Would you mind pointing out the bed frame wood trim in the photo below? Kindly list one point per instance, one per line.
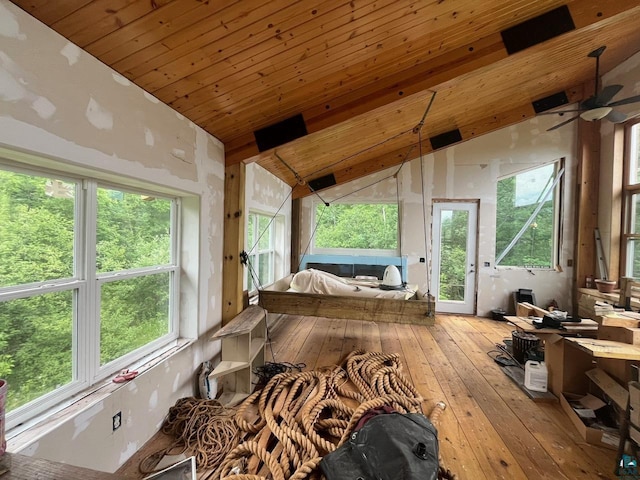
(275, 299)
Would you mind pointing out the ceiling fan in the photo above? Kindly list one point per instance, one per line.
(600, 104)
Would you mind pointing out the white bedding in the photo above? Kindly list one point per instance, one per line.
(317, 281)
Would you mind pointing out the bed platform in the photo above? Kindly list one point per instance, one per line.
(277, 298)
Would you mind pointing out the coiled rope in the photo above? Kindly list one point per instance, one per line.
(300, 417)
(203, 428)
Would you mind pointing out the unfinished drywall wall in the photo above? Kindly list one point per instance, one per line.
(266, 194)
(612, 147)
(469, 171)
(68, 110)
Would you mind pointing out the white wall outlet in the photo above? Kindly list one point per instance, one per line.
(117, 421)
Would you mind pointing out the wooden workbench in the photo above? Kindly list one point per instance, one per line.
(554, 351)
(586, 328)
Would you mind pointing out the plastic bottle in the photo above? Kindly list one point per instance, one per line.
(535, 376)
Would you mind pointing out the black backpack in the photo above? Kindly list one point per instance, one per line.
(390, 446)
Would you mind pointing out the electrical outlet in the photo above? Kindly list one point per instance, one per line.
(117, 421)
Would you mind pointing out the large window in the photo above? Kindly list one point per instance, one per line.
(631, 225)
(88, 283)
(261, 247)
(527, 218)
(356, 228)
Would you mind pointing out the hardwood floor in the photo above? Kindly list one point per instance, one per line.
(490, 429)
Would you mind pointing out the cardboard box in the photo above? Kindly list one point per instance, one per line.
(566, 366)
(594, 436)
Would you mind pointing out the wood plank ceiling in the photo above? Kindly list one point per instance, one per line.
(360, 72)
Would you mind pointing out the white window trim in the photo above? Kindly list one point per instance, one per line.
(86, 369)
(254, 251)
(560, 171)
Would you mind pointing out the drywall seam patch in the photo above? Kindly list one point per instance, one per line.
(9, 26)
(120, 79)
(150, 97)
(71, 52)
(98, 116)
(132, 447)
(11, 83)
(148, 137)
(44, 108)
(83, 419)
(12, 88)
(153, 400)
(176, 383)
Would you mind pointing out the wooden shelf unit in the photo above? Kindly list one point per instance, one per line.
(243, 350)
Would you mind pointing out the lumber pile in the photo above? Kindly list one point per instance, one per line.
(592, 307)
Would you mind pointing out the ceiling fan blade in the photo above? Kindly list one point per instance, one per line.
(625, 101)
(560, 112)
(563, 123)
(607, 94)
(616, 117)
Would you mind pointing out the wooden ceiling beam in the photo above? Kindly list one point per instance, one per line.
(443, 69)
(488, 124)
(429, 75)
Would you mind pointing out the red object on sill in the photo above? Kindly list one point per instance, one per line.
(125, 376)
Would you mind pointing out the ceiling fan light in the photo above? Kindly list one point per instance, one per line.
(595, 113)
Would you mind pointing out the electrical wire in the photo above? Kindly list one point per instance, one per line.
(299, 179)
(270, 369)
(424, 216)
(273, 217)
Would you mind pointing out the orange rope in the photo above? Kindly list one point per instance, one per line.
(303, 416)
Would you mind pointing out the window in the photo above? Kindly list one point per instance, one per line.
(356, 228)
(528, 218)
(88, 283)
(631, 224)
(261, 247)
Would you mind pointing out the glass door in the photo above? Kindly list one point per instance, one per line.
(454, 256)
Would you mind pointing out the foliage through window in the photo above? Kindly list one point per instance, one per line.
(349, 227)
(88, 280)
(631, 225)
(527, 218)
(262, 255)
(453, 254)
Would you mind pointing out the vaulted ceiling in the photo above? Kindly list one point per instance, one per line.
(360, 74)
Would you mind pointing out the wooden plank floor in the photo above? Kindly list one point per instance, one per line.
(490, 428)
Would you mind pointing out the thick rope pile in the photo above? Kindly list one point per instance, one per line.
(300, 417)
(203, 428)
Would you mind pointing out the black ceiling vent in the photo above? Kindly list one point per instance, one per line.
(538, 29)
(552, 101)
(445, 139)
(280, 133)
(322, 182)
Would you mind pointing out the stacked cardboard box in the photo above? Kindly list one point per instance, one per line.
(594, 397)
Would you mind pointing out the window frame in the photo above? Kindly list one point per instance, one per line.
(254, 251)
(84, 283)
(365, 252)
(560, 168)
(629, 189)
